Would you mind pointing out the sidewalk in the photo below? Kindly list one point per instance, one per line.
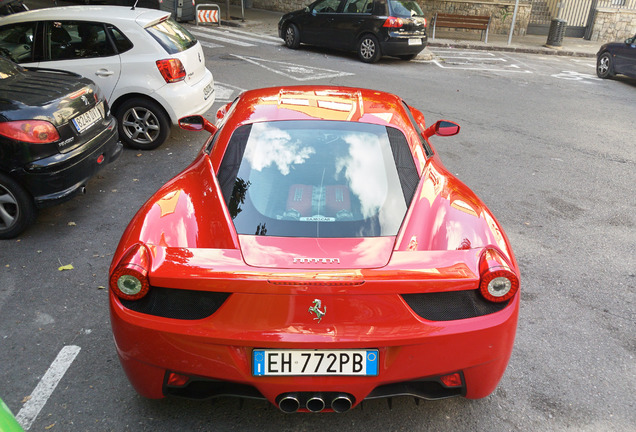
(266, 22)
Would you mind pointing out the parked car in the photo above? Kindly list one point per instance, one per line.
(56, 132)
(151, 69)
(8, 7)
(316, 253)
(372, 28)
(617, 58)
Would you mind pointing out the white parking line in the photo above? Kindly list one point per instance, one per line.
(210, 44)
(294, 71)
(46, 386)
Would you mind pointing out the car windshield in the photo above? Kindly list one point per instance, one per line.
(172, 36)
(317, 179)
(405, 8)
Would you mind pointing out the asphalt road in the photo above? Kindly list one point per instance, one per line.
(545, 144)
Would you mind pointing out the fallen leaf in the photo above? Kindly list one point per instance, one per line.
(66, 267)
(26, 399)
(49, 426)
(101, 287)
(72, 224)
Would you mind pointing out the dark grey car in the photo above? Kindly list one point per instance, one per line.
(617, 58)
(372, 28)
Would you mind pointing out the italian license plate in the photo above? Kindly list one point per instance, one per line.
(208, 90)
(314, 362)
(89, 118)
(415, 41)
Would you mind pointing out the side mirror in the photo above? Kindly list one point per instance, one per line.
(442, 128)
(196, 123)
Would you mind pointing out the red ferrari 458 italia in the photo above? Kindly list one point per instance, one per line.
(315, 254)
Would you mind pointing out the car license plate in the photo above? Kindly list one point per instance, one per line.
(314, 362)
(89, 118)
(208, 90)
(413, 41)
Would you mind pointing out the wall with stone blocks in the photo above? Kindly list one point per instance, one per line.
(613, 25)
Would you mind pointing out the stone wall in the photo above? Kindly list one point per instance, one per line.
(613, 25)
(500, 11)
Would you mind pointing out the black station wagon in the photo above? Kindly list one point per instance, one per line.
(372, 28)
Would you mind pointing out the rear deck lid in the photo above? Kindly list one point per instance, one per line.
(328, 254)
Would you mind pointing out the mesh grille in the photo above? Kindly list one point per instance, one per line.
(178, 303)
(453, 305)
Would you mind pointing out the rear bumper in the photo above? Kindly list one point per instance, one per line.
(58, 178)
(396, 46)
(414, 353)
(181, 99)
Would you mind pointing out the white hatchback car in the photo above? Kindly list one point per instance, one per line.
(150, 68)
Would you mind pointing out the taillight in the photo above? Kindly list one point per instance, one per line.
(424, 21)
(393, 22)
(31, 131)
(498, 282)
(172, 70)
(129, 280)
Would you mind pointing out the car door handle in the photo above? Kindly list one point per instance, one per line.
(104, 72)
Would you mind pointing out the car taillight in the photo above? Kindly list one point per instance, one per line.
(393, 22)
(498, 282)
(172, 70)
(31, 131)
(129, 280)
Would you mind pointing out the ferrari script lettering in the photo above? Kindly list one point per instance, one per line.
(316, 260)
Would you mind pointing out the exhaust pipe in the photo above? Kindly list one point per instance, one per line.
(341, 403)
(315, 404)
(289, 404)
(83, 190)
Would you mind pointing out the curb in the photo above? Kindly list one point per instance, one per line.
(524, 50)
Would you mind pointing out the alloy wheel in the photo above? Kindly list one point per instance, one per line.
(8, 208)
(141, 125)
(367, 48)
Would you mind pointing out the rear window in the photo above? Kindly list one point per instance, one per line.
(405, 8)
(317, 179)
(173, 37)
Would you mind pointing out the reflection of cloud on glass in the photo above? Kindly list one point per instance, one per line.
(268, 144)
(364, 168)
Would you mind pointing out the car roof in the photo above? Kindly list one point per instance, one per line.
(111, 14)
(323, 103)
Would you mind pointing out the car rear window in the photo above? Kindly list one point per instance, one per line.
(405, 8)
(317, 179)
(173, 37)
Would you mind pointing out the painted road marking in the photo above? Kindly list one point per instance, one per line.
(238, 34)
(46, 386)
(294, 71)
(577, 76)
(483, 61)
(210, 44)
(225, 92)
(221, 39)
